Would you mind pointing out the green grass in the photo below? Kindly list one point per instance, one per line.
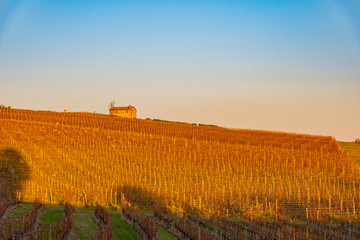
(353, 149)
(52, 215)
(24, 207)
(84, 226)
(148, 211)
(120, 229)
(164, 234)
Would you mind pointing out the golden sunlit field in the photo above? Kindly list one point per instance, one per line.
(229, 184)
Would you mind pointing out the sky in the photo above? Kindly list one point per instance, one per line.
(290, 66)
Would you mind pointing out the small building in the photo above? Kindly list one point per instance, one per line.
(128, 112)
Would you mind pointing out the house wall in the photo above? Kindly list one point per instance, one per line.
(124, 113)
(133, 113)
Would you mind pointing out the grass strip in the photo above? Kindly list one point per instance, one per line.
(84, 226)
(52, 215)
(165, 234)
(121, 230)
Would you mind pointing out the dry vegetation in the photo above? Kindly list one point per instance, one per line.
(88, 159)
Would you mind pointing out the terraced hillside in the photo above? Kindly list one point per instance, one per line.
(245, 183)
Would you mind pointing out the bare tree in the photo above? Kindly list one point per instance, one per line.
(112, 104)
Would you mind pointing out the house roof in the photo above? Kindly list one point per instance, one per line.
(122, 108)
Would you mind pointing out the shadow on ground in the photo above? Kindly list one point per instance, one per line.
(14, 171)
(138, 196)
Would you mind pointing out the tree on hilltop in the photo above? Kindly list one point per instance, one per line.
(112, 104)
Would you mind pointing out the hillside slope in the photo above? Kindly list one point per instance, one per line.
(87, 159)
(353, 149)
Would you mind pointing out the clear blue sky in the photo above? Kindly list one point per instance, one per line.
(277, 65)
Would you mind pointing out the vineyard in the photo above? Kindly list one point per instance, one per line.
(198, 182)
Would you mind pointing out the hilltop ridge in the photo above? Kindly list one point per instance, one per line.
(173, 129)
